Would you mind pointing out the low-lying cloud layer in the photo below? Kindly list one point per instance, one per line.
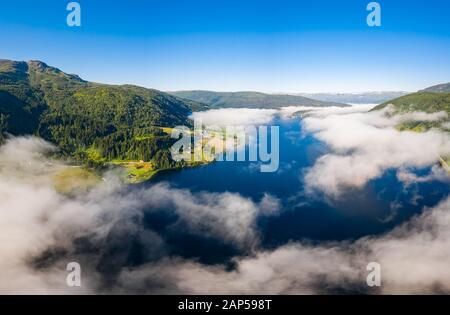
(414, 259)
(363, 144)
(235, 116)
(36, 221)
(42, 230)
(366, 144)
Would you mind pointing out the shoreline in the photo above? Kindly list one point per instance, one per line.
(444, 164)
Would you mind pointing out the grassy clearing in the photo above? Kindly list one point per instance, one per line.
(75, 179)
(145, 137)
(166, 130)
(445, 162)
(410, 126)
(135, 171)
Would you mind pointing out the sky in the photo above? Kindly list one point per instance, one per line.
(281, 46)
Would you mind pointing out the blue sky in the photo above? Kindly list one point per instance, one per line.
(230, 45)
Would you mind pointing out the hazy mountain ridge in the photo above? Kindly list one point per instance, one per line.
(356, 98)
(440, 88)
(250, 99)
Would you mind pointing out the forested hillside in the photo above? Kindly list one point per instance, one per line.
(89, 122)
(440, 88)
(250, 99)
(422, 101)
(428, 102)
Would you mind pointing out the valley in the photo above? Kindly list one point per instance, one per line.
(127, 129)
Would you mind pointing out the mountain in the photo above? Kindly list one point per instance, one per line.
(250, 99)
(91, 123)
(428, 102)
(423, 101)
(441, 88)
(355, 98)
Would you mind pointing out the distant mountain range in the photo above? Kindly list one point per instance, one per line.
(250, 99)
(355, 98)
(441, 88)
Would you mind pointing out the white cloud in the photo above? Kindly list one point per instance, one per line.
(35, 219)
(235, 116)
(421, 116)
(326, 111)
(409, 178)
(414, 259)
(363, 146)
(226, 216)
(255, 116)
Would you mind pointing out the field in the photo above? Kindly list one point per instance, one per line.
(74, 179)
(135, 171)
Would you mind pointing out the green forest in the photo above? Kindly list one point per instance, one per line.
(428, 102)
(92, 124)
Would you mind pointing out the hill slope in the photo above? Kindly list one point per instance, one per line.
(430, 100)
(91, 123)
(441, 88)
(249, 99)
(427, 102)
(422, 101)
(355, 98)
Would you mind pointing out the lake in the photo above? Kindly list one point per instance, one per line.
(381, 205)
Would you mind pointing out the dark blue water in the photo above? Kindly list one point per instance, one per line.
(357, 213)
